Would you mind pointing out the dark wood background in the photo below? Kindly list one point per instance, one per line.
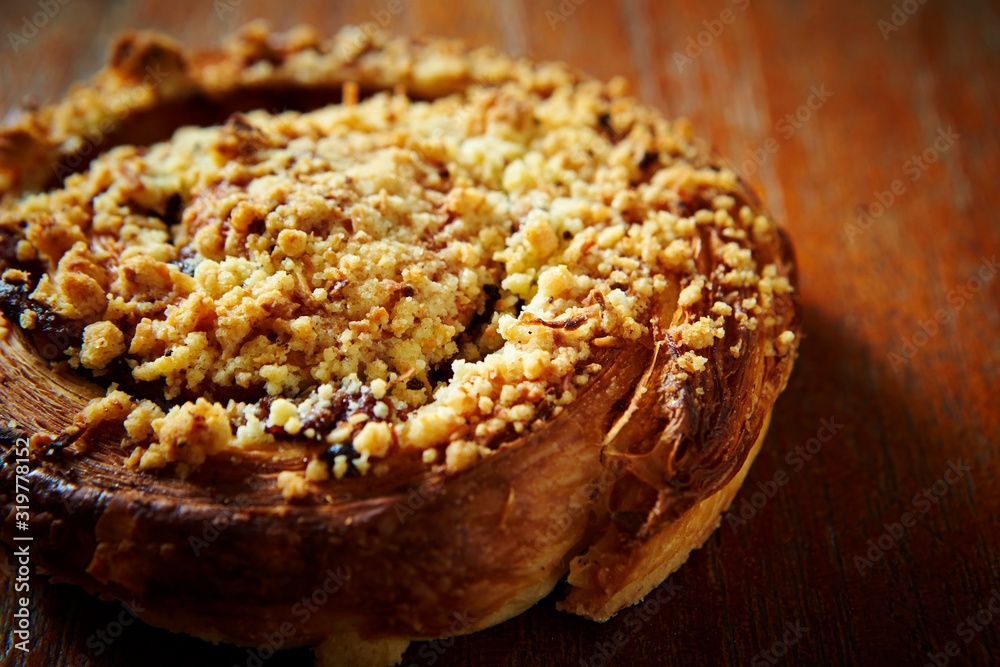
(871, 288)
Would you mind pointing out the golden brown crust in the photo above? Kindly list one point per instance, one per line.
(601, 584)
(657, 435)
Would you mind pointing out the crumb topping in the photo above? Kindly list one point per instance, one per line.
(382, 275)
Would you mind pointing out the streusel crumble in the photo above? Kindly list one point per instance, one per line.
(381, 274)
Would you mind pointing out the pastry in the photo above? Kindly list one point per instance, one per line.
(367, 341)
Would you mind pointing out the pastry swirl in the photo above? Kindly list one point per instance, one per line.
(453, 327)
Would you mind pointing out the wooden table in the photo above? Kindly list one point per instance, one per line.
(852, 106)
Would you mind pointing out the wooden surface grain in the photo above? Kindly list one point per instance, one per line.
(825, 108)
